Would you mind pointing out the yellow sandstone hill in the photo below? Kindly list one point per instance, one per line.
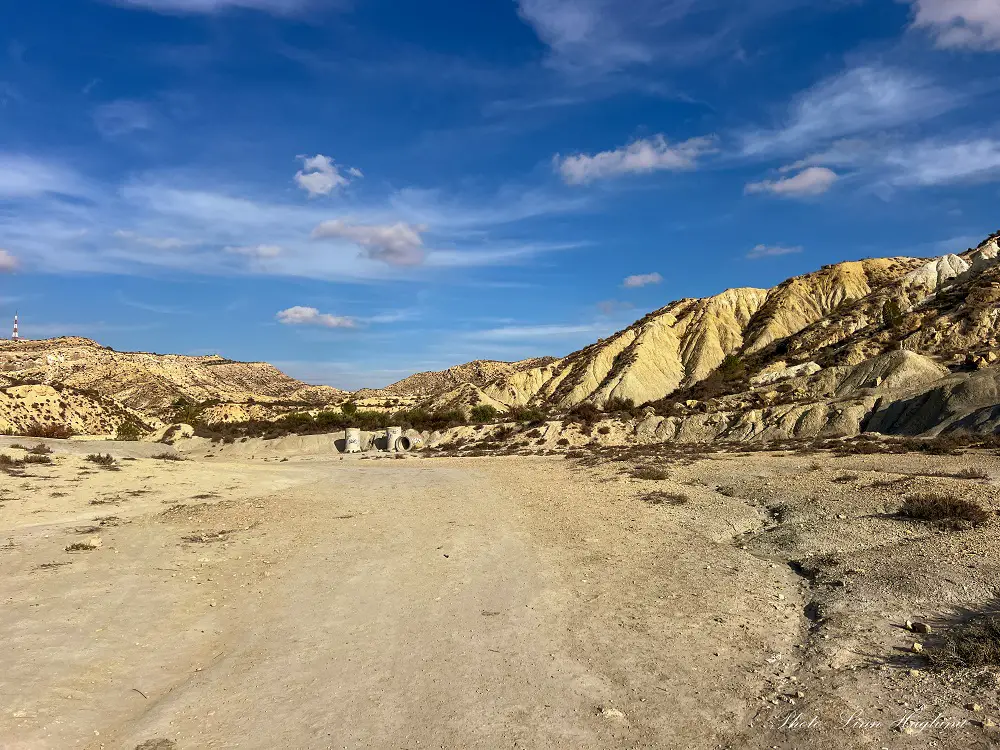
(96, 388)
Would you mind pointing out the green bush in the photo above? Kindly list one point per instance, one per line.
(483, 413)
(128, 432)
(349, 408)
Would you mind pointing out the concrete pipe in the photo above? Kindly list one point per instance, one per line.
(352, 440)
(392, 436)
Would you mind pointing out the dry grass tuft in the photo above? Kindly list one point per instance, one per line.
(666, 498)
(945, 511)
(971, 645)
(652, 473)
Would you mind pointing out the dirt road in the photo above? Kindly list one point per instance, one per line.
(423, 603)
(383, 604)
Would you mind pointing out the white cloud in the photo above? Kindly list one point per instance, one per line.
(160, 243)
(857, 101)
(772, 251)
(122, 117)
(256, 251)
(934, 162)
(321, 176)
(642, 279)
(971, 24)
(310, 316)
(27, 177)
(278, 7)
(8, 262)
(926, 163)
(641, 156)
(603, 36)
(395, 244)
(810, 181)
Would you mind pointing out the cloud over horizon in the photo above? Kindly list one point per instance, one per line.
(310, 316)
(641, 280)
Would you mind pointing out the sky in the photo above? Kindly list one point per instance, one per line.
(356, 190)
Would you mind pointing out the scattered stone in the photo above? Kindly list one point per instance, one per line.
(974, 707)
(918, 648)
(918, 627)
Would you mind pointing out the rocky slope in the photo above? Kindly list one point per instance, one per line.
(477, 373)
(841, 315)
(106, 386)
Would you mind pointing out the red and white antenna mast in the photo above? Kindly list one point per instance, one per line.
(16, 337)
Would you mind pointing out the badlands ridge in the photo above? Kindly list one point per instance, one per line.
(896, 345)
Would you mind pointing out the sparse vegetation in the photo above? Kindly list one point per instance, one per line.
(51, 431)
(483, 413)
(666, 498)
(101, 459)
(969, 645)
(128, 432)
(651, 473)
(34, 458)
(944, 511)
(168, 456)
(39, 450)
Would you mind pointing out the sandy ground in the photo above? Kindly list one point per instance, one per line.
(518, 602)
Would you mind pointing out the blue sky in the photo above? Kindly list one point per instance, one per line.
(359, 189)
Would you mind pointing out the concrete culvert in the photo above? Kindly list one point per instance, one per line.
(352, 440)
(392, 436)
(403, 444)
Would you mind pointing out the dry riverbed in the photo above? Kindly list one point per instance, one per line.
(304, 601)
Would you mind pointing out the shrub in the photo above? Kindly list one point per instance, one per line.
(665, 498)
(101, 460)
(526, 414)
(40, 450)
(604, 430)
(349, 408)
(652, 473)
(618, 404)
(34, 458)
(128, 432)
(8, 460)
(563, 442)
(19, 446)
(167, 456)
(483, 413)
(51, 431)
(944, 511)
(585, 413)
(970, 645)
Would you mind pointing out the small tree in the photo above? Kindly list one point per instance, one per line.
(349, 408)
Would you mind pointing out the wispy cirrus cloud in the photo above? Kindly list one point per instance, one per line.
(122, 117)
(23, 176)
(160, 243)
(928, 162)
(642, 156)
(276, 7)
(859, 100)
(961, 24)
(602, 36)
(810, 181)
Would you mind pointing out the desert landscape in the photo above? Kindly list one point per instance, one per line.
(765, 519)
